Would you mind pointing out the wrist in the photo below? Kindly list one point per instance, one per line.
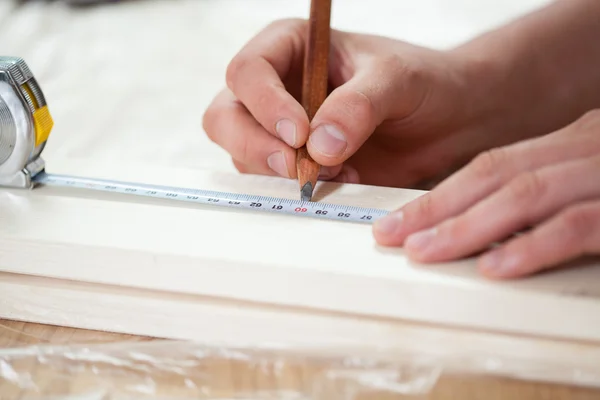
(536, 74)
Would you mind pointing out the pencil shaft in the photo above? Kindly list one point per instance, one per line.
(314, 86)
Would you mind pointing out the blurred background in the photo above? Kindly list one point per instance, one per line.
(130, 80)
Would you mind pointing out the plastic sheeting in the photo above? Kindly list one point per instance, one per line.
(162, 369)
(185, 370)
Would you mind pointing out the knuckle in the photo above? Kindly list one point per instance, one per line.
(286, 23)
(592, 115)
(242, 149)
(576, 219)
(424, 206)
(588, 121)
(208, 122)
(398, 66)
(267, 98)
(406, 75)
(215, 117)
(357, 106)
(527, 186)
(577, 224)
(235, 68)
(394, 63)
(243, 59)
(488, 163)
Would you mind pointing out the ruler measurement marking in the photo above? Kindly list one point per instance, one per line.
(222, 199)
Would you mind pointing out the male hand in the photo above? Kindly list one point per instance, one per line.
(397, 114)
(549, 184)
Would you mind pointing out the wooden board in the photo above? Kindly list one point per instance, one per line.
(223, 322)
(186, 249)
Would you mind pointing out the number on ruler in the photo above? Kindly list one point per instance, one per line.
(257, 205)
(300, 209)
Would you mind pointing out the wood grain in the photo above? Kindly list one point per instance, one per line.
(315, 80)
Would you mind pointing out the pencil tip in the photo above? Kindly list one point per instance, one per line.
(306, 192)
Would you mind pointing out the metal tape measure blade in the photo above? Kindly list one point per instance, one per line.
(222, 199)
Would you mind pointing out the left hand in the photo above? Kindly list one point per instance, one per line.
(550, 184)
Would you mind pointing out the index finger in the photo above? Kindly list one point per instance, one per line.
(484, 175)
(256, 73)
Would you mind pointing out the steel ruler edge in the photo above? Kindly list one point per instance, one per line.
(215, 198)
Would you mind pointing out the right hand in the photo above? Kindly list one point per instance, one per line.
(398, 115)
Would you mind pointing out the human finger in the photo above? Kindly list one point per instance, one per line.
(526, 200)
(329, 173)
(566, 236)
(339, 173)
(255, 76)
(346, 174)
(484, 175)
(379, 89)
(229, 124)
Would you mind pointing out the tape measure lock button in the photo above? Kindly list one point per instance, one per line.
(43, 124)
(36, 101)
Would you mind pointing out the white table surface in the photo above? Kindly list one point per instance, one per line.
(130, 81)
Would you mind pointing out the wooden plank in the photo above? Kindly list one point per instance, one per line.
(150, 244)
(218, 322)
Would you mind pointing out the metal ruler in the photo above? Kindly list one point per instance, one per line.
(221, 199)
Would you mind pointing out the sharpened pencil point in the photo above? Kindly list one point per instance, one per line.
(306, 192)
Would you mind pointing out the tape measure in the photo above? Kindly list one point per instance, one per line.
(25, 126)
(25, 123)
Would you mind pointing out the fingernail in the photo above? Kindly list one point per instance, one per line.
(498, 263)
(276, 162)
(328, 140)
(390, 224)
(420, 241)
(286, 130)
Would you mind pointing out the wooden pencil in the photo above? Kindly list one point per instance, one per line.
(314, 87)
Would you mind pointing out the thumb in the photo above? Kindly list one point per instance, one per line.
(348, 117)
